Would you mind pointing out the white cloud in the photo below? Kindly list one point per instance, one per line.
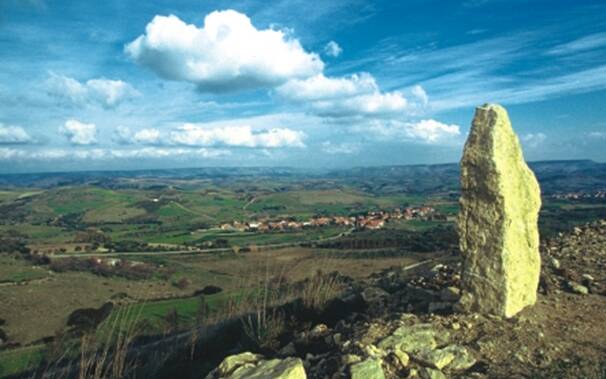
(227, 53)
(332, 49)
(357, 94)
(79, 133)
(236, 136)
(590, 42)
(147, 136)
(13, 135)
(419, 93)
(320, 87)
(122, 135)
(375, 104)
(428, 131)
(533, 140)
(108, 154)
(432, 130)
(12, 154)
(106, 92)
(156, 152)
(340, 148)
(597, 135)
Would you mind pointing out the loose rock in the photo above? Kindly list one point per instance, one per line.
(430, 373)
(369, 369)
(253, 366)
(577, 288)
(414, 338)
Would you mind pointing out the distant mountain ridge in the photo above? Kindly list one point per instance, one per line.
(554, 176)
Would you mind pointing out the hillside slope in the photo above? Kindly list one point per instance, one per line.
(409, 328)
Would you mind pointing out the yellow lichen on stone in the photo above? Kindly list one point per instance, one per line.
(498, 221)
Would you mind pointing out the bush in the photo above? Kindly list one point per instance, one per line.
(208, 290)
(182, 283)
(123, 268)
(15, 244)
(263, 329)
(318, 290)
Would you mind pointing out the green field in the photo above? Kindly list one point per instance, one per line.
(18, 360)
(176, 216)
(185, 215)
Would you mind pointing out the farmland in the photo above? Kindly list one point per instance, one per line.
(153, 245)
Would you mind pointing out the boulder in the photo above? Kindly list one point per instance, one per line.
(254, 366)
(437, 359)
(462, 360)
(368, 369)
(430, 373)
(498, 231)
(577, 288)
(373, 295)
(402, 357)
(411, 339)
(231, 363)
(452, 357)
(450, 294)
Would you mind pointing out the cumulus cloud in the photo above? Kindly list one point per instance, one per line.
(122, 135)
(375, 104)
(79, 133)
(340, 148)
(106, 92)
(419, 93)
(226, 54)
(320, 87)
(429, 131)
(156, 152)
(236, 136)
(109, 154)
(147, 136)
(432, 130)
(13, 135)
(534, 140)
(332, 49)
(357, 94)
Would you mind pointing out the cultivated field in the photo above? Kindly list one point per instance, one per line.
(154, 246)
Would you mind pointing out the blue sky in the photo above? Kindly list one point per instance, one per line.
(125, 85)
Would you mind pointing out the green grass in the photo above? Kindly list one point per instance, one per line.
(187, 308)
(129, 214)
(49, 234)
(19, 360)
(18, 270)
(8, 195)
(413, 225)
(23, 276)
(447, 208)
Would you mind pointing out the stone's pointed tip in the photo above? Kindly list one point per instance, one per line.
(492, 107)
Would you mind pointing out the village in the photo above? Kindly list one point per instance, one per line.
(371, 220)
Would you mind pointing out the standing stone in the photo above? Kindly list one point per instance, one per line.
(498, 231)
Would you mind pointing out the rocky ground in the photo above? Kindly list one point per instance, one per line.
(410, 327)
